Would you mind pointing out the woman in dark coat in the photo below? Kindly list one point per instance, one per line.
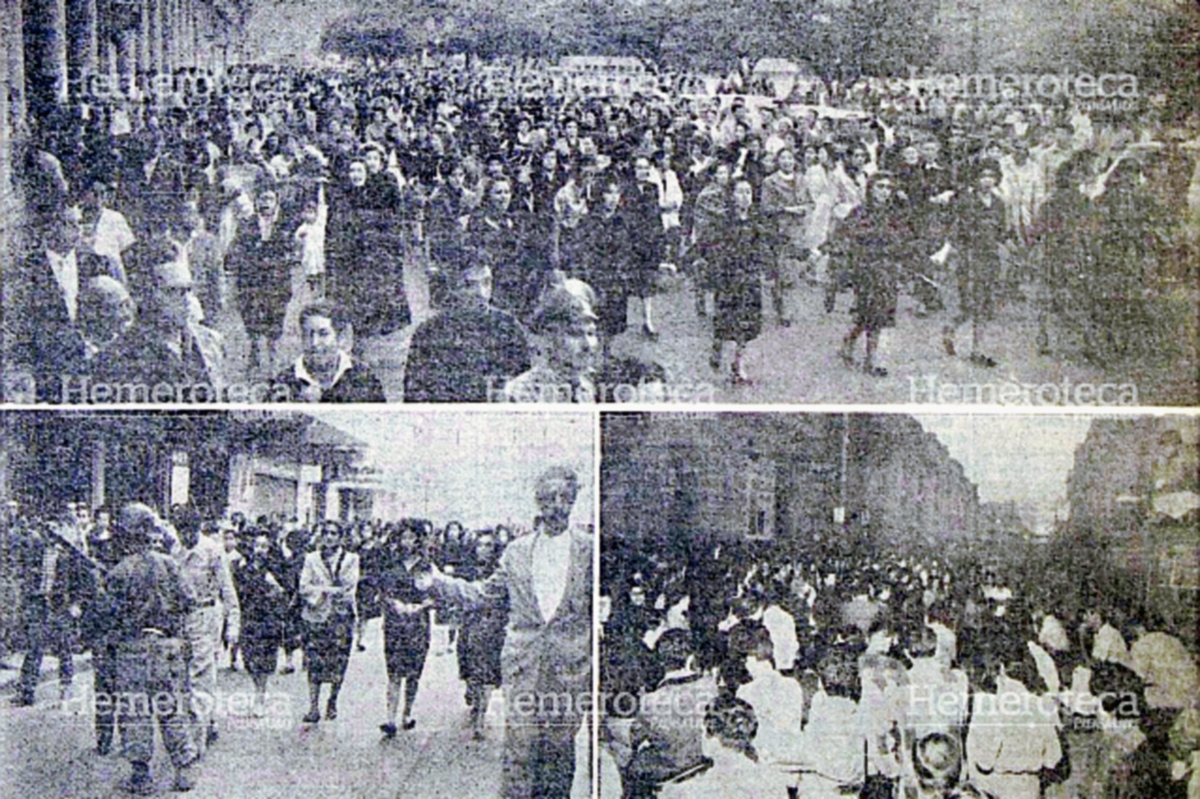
(260, 260)
(738, 260)
(608, 265)
(482, 636)
(362, 247)
(406, 623)
(875, 233)
(263, 600)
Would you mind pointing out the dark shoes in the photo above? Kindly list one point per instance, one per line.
(23, 700)
(311, 717)
(979, 359)
(211, 737)
(875, 371)
(331, 710)
(140, 782)
(183, 780)
(388, 730)
(410, 724)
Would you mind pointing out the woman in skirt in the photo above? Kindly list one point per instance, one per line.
(328, 583)
(263, 601)
(260, 260)
(482, 636)
(406, 623)
(738, 266)
(876, 234)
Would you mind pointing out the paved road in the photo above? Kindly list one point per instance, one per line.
(799, 364)
(49, 750)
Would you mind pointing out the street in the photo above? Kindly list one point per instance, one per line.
(50, 749)
(800, 363)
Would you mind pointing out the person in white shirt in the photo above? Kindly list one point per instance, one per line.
(1013, 734)
(546, 580)
(106, 232)
(205, 571)
(778, 703)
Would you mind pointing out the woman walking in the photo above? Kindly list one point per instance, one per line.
(738, 271)
(406, 624)
(482, 636)
(264, 603)
(327, 585)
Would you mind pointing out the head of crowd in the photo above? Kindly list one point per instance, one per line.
(159, 214)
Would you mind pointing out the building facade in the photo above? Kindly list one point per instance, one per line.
(281, 465)
(813, 481)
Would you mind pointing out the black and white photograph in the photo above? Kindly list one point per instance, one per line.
(315, 604)
(663, 201)
(828, 605)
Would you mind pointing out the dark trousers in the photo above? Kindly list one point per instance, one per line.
(539, 746)
(104, 671)
(44, 630)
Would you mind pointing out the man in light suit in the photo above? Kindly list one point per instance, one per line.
(546, 579)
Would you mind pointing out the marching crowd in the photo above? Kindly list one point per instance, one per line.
(154, 600)
(168, 236)
(731, 671)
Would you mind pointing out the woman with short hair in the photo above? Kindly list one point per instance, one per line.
(406, 622)
(328, 582)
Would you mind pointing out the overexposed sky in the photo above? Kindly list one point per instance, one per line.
(1022, 458)
(478, 468)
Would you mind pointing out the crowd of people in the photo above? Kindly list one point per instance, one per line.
(155, 223)
(154, 598)
(736, 669)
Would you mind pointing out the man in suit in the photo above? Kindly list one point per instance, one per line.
(43, 303)
(546, 579)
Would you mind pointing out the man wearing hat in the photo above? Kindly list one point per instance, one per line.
(168, 351)
(565, 324)
(147, 604)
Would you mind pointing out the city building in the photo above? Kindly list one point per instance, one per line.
(282, 465)
(802, 481)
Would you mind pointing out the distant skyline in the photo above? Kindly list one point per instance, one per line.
(1021, 458)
